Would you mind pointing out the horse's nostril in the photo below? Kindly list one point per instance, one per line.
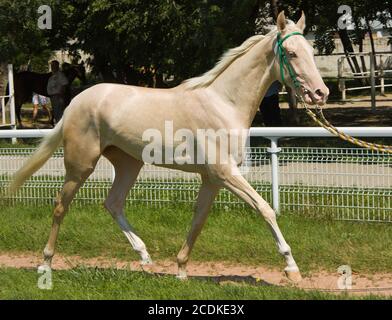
(319, 93)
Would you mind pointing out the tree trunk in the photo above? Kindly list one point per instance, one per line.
(360, 47)
(348, 48)
(3, 78)
(369, 31)
(254, 13)
(363, 62)
(274, 9)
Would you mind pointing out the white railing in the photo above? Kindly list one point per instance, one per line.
(382, 73)
(8, 117)
(347, 183)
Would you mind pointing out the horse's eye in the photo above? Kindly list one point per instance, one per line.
(292, 54)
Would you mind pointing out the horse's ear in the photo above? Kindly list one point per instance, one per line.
(301, 22)
(281, 21)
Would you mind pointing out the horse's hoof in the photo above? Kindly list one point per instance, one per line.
(182, 275)
(293, 276)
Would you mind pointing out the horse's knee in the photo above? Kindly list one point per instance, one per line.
(268, 213)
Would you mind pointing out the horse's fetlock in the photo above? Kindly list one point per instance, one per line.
(48, 253)
(285, 250)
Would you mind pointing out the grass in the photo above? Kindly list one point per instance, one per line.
(83, 283)
(235, 235)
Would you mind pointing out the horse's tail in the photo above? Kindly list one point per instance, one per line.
(45, 150)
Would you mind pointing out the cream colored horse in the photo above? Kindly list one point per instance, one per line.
(109, 120)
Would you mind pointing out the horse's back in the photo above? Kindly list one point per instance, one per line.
(116, 105)
(110, 98)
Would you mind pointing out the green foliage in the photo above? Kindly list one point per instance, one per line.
(182, 37)
(322, 17)
(21, 40)
(324, 40)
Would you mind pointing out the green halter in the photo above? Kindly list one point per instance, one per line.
(283, 61)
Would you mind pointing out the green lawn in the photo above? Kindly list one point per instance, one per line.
(235, 235)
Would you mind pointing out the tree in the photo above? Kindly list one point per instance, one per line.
(180, 38)
(323, 16)
(21, 40)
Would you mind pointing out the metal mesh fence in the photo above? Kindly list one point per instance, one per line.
(341, 183)
(344, 183)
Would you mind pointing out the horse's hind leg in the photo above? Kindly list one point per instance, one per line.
(206, 197)
(127, 169)
(79, 165)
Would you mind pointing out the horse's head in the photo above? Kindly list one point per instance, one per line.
(295, 64)
(73, 71)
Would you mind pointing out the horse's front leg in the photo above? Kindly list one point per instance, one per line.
(236, 183)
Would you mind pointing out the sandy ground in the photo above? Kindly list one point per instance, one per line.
(349, 114)
(219, 272)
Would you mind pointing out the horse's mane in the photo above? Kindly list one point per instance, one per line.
(227, 59)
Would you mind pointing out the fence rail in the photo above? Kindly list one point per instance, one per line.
(343, 183)
(375, 67)
(7, 114)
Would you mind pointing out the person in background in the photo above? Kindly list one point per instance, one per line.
(269, 107)
(39, 100)
(56, 89)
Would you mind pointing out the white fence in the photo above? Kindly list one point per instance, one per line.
(7, 113)
(367, 61)
(342, 183)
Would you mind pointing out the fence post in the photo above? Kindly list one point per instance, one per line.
(381, 74)
(372, 82)
(342, 83)
(12, 99)
(274, 150)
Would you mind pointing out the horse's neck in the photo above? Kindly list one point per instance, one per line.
(245, 82)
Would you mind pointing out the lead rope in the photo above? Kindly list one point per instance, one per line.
(323, 122)
(335, 131)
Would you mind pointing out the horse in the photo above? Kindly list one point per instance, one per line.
(112, 119)
(27, 82)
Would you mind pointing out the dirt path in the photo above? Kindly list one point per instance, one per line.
(220, 272)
